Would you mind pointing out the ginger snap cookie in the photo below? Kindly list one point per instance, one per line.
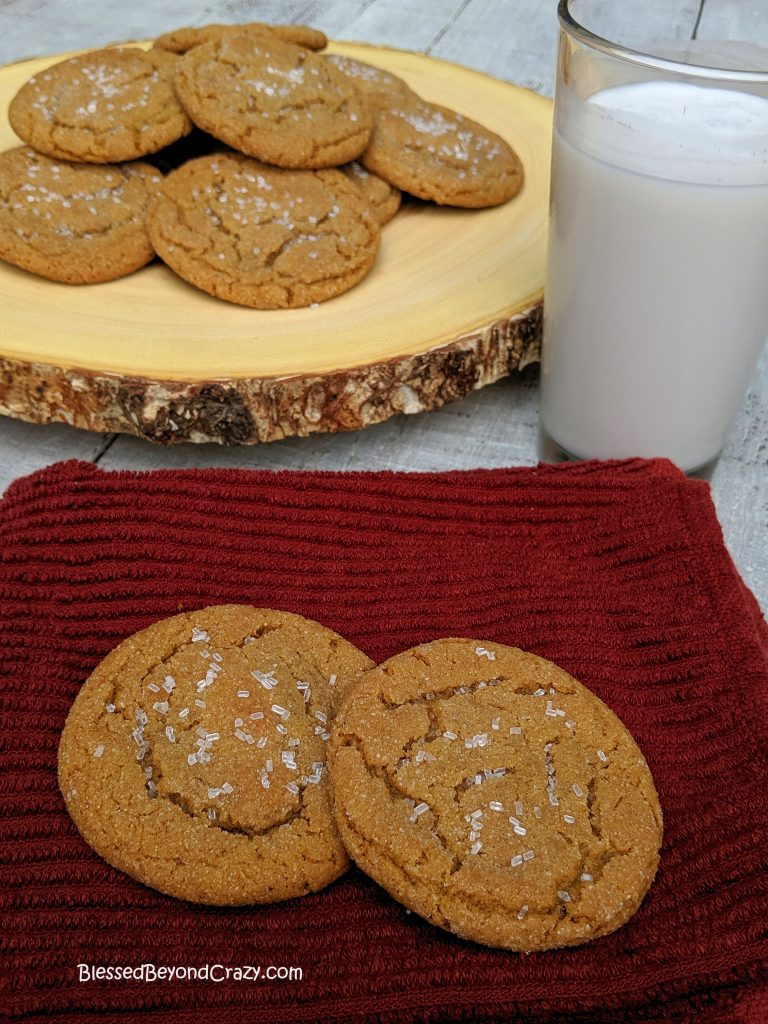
(490, 792)
(101, 107)
(436, 154)
(376, 84)
(75, 223)
(261, 236)
(194, 757)
(384, 199)
(274, 101)
(184, 39)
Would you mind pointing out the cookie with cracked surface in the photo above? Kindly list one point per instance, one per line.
(492, 793)
(184, 39)
(101, 107)
(274, 101)
(74, 223)
(193, 758)
(383, 199)
(436, 154)
(261, 236)
(380, 87)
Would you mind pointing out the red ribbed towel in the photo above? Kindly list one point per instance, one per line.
(615, 571)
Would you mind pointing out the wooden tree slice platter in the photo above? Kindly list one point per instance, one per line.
(452, 304)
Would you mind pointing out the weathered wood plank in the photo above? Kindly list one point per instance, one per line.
(410, 24)
(524, 40)
(740, 486)
(273, 11)
(734, 19)
(525, 35)
(644, 24)
(37, 27)
(337, 18)
(27, 447)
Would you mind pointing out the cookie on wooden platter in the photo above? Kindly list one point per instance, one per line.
(261, 236)
(193, 758)
(380, 87)
(384, 199)
(74, 223)
(184, 39)
(274, 101)
(492, 793)
(105, 106)
(437, 154)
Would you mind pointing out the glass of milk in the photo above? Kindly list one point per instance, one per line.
(656, 301)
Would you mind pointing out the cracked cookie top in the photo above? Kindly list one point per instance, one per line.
(75, 223)
(383, 199)
(194, 757)
(101, 107)
(261, 236)
(437, 154)
(181, 40)
(379, 86)
(490, 792)
(274, 101)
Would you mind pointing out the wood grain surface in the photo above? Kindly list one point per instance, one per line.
(513, 40)
(452, 304)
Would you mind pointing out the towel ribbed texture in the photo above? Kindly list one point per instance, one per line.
(615, 571)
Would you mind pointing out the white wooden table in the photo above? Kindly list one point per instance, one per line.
(510, 39)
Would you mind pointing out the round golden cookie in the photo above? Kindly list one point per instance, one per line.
(193, 758)
(383, 199)
(490, 792)
(376, 84)
(261, 236)
(184, 39)
(279, 103)
(102, 107)
(75, 223)
(436, 154)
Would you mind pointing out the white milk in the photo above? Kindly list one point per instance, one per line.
(656, 305)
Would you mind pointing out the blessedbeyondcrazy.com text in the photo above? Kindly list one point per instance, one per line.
(216, 973)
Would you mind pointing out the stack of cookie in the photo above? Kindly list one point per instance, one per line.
(239, 755)
(305, 157)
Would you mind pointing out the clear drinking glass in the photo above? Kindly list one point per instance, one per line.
(656, 301)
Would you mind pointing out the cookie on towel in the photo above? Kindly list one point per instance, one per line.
(75, 223)
(184, 39)
(261, 236)
(193, 758)
(490, 792)
(101, 107)
(274, 101)
(435, 153)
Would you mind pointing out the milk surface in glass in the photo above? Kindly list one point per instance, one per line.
(656, 304)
